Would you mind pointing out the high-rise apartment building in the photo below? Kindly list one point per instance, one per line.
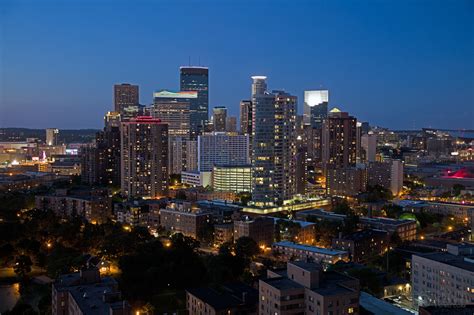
(100, 163)
(246, 117)
(219, 116)
(232, 178)
(315, 107)
(144, 143)
(273, 145)
(339, 140)
(193, 78)
(220, 148)
(388, 174)
(52, 136)
(126, 99)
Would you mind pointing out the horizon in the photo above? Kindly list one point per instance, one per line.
(419, 70)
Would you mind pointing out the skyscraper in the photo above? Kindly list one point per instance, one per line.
(315, 107)
(219, 115)
(144, 143)
(246, 117)
(100, 164)
(273, 145)
(339, 140)
(126, 99)
(175, 112)
(193, 78)
(52, 136)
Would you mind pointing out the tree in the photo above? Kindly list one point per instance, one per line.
(392, 211)
(22, 266)
(457, 189)
(342, 207)
(244, 198)
(246, 247)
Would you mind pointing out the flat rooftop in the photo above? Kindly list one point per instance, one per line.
(313, 249)
(450, 259)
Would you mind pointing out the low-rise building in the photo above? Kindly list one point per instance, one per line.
(232, 178)
(291, 251)
(444, 278)
(260, 229)
(95, 205)
(86, 293)
(295, 230)
(363, 244)
(223, 233)
(405, 228)
(229, 299)
(182, 218)
(305, 288)
(196, 178)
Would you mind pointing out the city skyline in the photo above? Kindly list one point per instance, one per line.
(418, 70)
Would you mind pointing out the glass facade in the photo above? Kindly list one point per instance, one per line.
(197, 79)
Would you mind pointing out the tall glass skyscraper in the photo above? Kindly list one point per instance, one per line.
(273, 145)
(315, 107)
(193, 78)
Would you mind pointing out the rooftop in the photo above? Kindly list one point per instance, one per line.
(461, 262)
(313, 249)
(227, 296)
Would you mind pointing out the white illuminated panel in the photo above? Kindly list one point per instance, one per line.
(313, 98)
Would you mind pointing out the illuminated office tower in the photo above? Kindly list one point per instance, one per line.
(315, 107)
(52, 136)
(273, 144)
(126, 99)
(219, 116)
(246, 117)
(173, 108)
(339, 139)
(193, 78)
(144, 143)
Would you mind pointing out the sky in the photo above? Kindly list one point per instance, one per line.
(397, 64)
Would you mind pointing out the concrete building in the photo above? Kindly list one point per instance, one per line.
(290, 251)
(52, 135)
(339, 140)
(220, 148)
(315, 108)
(223, 233)
(94, 205)
(388, 174)
(369, 147)
(126, 99)
(346, 181)
(443, 278)
(363, 245)
(86, 293)
(232, 178)
(229, 299)
(260, 229)
(197, 179)
(273, 145)
(219, 118)
(196, 78)
(305, 288)
(144, 163)
(182, 218)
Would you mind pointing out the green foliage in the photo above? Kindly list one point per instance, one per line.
(457, 189)
(376, 193)
(244, 198)
(392, 211)
(22, 266)
(286, 230)
(246, 248)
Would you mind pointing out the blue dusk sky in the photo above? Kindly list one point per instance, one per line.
(398, 64)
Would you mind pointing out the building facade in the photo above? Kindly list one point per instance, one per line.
(193, 78)
(126, 98)
(315, 107)
(232, 178)
(144, 163)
